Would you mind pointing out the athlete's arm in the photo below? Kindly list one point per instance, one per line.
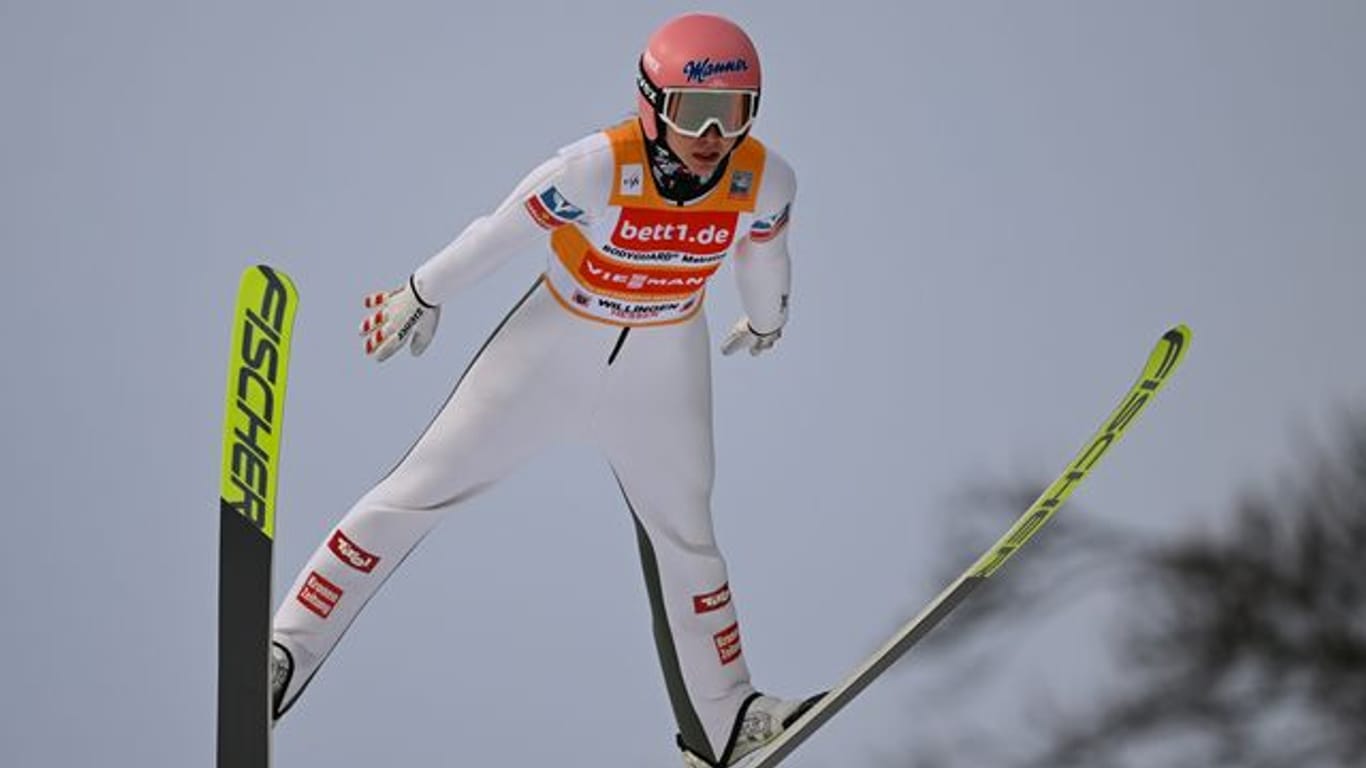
(763, 270)
(489, 241)
(572, 178)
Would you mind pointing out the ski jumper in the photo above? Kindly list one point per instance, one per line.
(611, 333)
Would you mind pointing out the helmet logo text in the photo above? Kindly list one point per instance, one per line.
(699, 71)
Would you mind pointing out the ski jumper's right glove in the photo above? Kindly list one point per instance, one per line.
(396, 317)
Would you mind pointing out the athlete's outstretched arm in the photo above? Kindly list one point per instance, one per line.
(488, 242)
(411, 312)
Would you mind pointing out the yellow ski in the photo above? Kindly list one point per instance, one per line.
(257, 365)
(1162, 363)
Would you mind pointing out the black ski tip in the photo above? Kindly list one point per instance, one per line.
(1178, 334)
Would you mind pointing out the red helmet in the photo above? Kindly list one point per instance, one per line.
(698, 71)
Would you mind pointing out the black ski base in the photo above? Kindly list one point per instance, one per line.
(244, 719)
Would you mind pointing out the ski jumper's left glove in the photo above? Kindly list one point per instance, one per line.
(763, 271)
(395, 318)
(743, 336)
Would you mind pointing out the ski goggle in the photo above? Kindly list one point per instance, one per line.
(692, 111)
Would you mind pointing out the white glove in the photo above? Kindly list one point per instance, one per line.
(742, 336)
(398, 316)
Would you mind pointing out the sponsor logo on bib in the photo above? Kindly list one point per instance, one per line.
(690, 232)
(598, 272)
(741, 183)
(632, 180)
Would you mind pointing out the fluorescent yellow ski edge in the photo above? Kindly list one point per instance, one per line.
(1165, 358)
(258, 364)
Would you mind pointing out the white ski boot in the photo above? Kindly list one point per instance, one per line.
(761, 719)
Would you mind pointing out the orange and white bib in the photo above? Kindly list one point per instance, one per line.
(641, 259)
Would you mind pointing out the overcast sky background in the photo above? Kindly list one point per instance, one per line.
(1002, 205)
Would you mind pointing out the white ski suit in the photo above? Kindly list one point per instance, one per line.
(612, 334)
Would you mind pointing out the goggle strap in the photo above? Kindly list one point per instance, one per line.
(652, 93)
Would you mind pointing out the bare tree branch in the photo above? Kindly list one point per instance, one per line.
(1245, 647)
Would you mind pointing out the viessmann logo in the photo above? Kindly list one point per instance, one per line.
(693, 232)
(597, 272)
(351, 554)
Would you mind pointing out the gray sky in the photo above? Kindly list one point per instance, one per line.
(1002, 205)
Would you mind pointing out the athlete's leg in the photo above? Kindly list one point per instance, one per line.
(656, 426)
(517, 395)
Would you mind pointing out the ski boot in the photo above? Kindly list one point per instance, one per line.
(281, 670)
(761, 720)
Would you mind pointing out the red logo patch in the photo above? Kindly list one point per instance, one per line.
(694, 232)
(347, 551)
(319, 595)
(712, 601)
(598, 272)
(540, 214)
(728, 644)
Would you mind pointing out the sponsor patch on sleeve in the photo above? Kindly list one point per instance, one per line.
(551, 210)
(767, 228)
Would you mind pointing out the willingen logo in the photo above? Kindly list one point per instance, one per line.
(700, 71)
(258, 373)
